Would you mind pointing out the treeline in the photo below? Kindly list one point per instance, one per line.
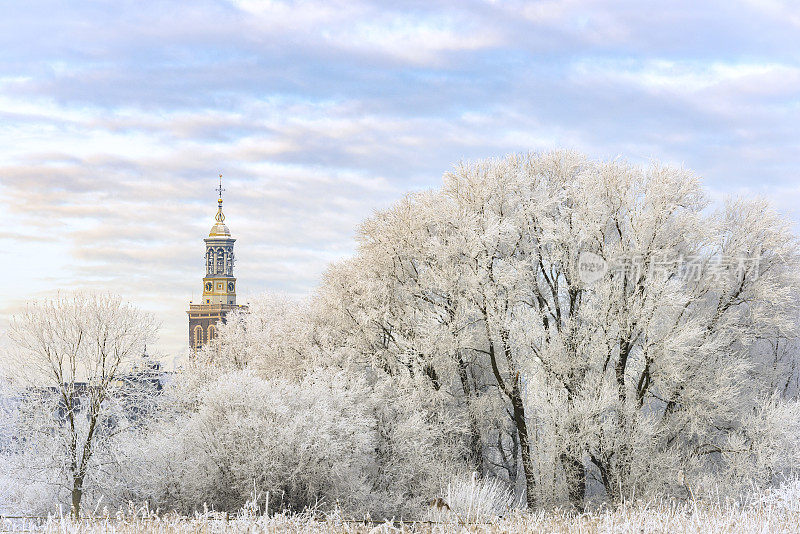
(570, 330)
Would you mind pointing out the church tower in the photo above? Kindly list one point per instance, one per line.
(219, 284)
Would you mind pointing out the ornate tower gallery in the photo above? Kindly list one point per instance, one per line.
(219, 284)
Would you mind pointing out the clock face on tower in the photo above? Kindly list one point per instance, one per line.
(230, 287)
(208, 286)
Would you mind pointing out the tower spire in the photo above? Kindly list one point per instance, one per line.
(219, 189)
(220, 217)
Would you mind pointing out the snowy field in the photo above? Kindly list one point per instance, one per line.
(774, 512)
(628, 520)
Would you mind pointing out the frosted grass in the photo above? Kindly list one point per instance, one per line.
(776, 511)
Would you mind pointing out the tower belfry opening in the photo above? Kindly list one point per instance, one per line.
(219, 283)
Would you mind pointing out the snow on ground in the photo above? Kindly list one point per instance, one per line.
(774, 512)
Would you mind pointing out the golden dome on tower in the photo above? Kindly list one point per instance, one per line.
(219, 229)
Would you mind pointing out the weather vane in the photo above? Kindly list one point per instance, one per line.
(220, 186)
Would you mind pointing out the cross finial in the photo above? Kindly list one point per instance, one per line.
(219, 189)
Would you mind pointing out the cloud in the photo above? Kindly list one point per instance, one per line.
(115, 120)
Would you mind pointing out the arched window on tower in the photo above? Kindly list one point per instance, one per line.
(212, 332)
(220, 261)
(229, 262)
(198, 337)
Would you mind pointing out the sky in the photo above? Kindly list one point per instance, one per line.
(117, 117)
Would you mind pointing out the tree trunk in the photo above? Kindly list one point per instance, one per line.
(572, 460)
(77, 494)
(514, 394)
(475, 444)
(524, 442)
(575, 474)
(621, 464)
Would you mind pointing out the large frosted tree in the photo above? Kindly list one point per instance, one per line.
(73, 354)
(596, 320)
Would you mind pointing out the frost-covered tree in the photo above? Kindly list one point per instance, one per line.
(622, 330)
(71, 354)
(275, 337)
(230, 439)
